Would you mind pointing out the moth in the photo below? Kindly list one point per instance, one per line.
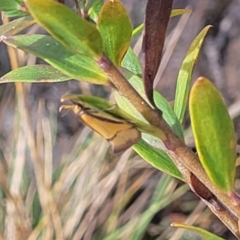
(120, 133)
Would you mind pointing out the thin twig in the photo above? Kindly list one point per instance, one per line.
(186, 161)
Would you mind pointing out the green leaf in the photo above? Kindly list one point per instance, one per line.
(8, 5)
(131, 62)
(185, 74)
(174, 13)
(11, 8)
(16, 26)
(73, 65)
(203, 233)
(75, 33)
(36, 73)
(95, 9)
(15, 13)
(116, 30)
(168, 114)
(177, 12)
(214, 133)
(157, 158)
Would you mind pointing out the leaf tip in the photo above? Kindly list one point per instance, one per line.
(201, 79)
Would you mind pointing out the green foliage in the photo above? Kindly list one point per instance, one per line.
(174, 13)
(75, 33)
(73, 65)
(36, 73)
(116, 30)
(12, 8)
(76, 49)
(156, 157)
(95, 9)
(185, 74)
(214, 133)
(168, 113)
(16, 26)
(203, 233)
(131, 62)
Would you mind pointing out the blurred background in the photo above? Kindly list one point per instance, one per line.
(58, 177)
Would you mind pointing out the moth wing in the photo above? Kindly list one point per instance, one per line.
(124, 140)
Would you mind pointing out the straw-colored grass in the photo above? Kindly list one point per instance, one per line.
(85, 194)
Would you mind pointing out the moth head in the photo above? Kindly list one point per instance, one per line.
(76, 107)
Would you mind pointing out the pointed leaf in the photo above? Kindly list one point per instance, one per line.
(177, 12)
(185, 74)
(16, 26)
(75, 33)
(36, 73)
(156, 21)
(203, 233)
(95, 9)
(116, 30)
(131, 62)
(75, 66)
(174, 13)
(214, 133)
(11, 8)
(157, 158)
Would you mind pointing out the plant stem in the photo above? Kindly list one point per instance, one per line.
(186, 160)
